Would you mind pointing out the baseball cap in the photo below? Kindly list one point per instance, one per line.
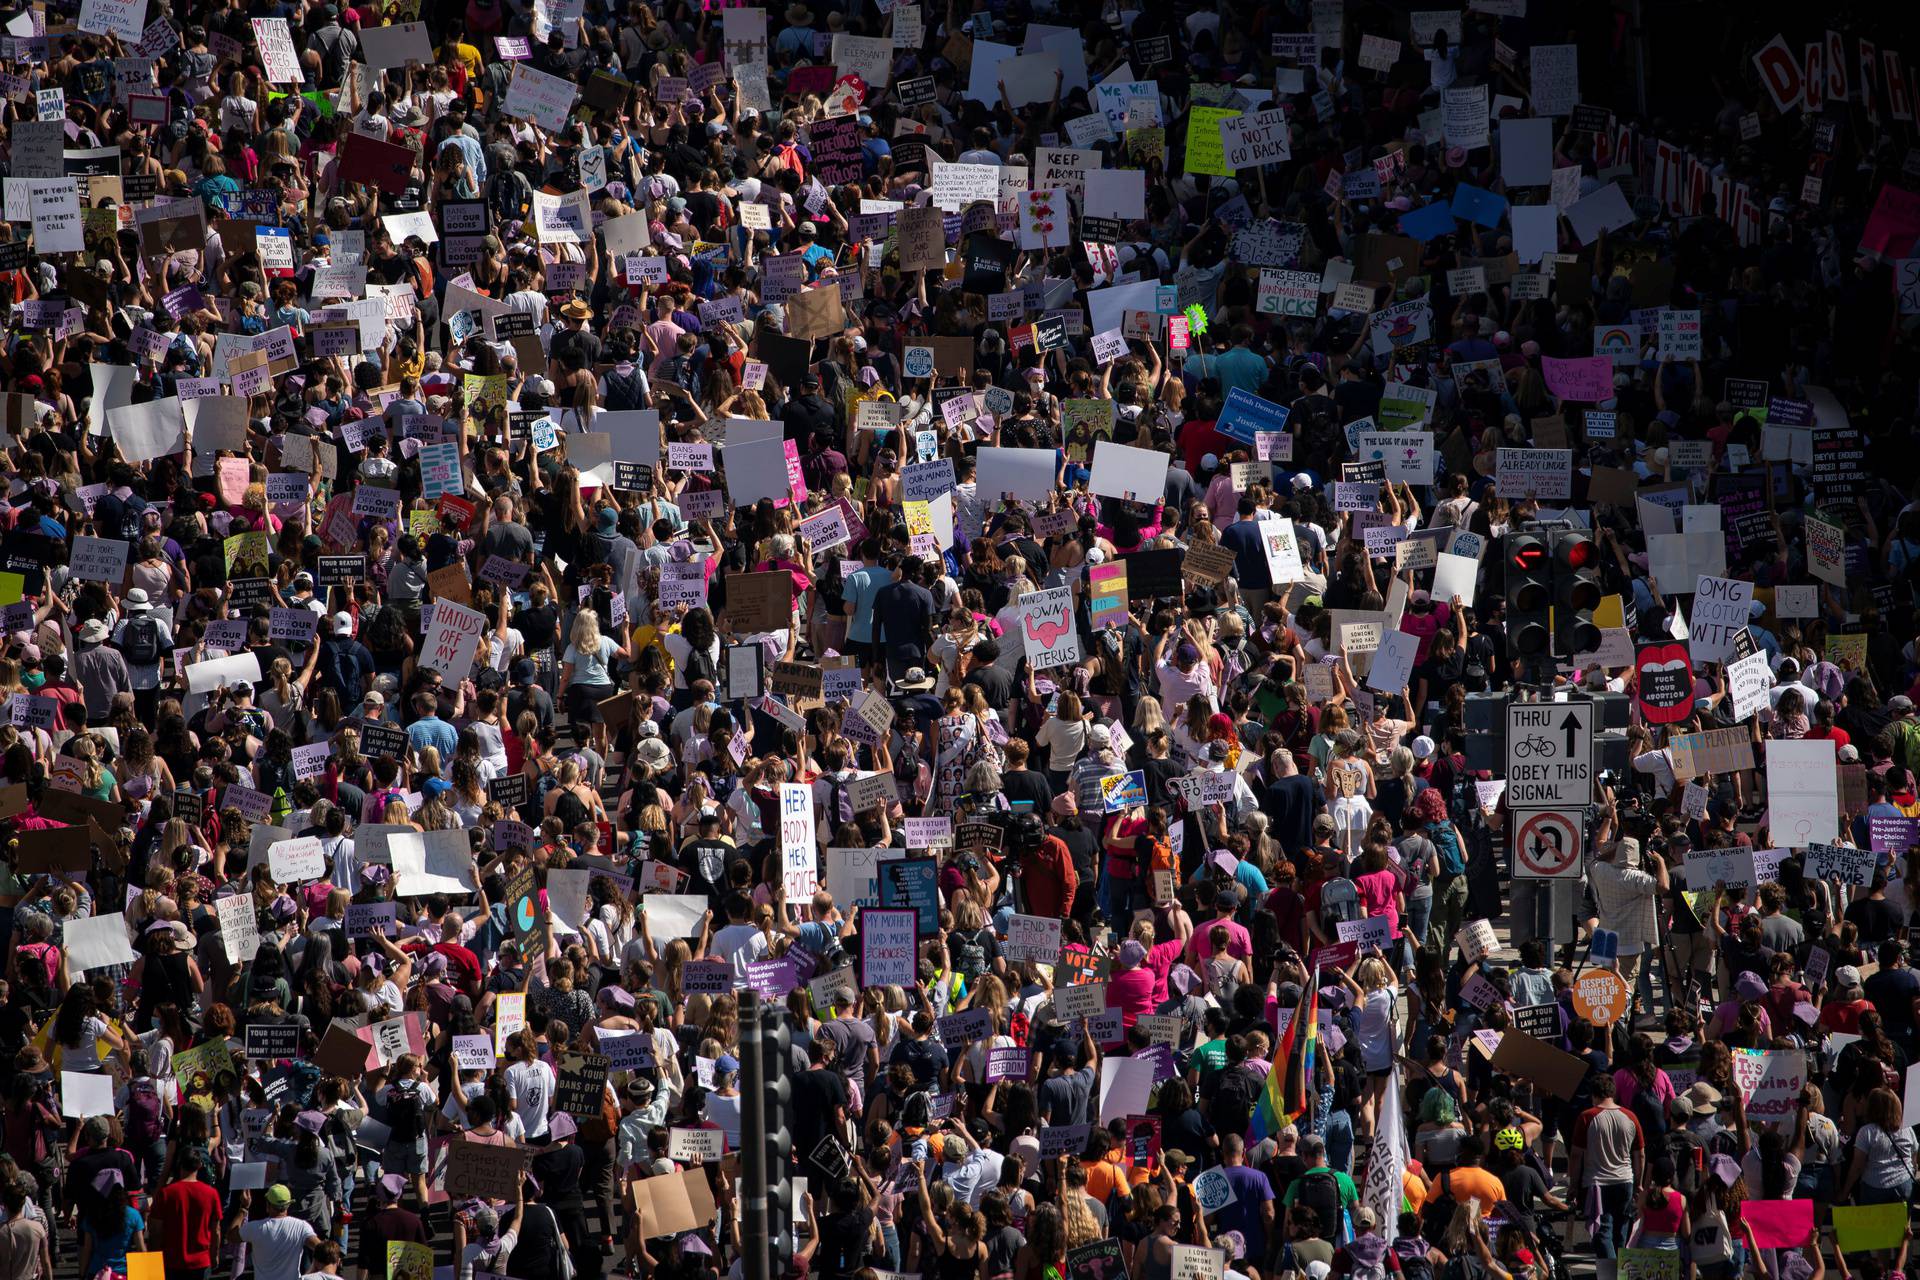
(1846, 976)
(278, 1196)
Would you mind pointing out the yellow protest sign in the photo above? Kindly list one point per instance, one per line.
(486, 391)
(1859, 1228)
(1849, 651)
(407, 1261)
(248, 549)
(1205, 151)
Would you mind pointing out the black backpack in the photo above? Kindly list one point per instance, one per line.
(1233, 1101)
(1319, 1190)
(623, 390)
(141, 647)
(334, 58)
(406, 1114)
(132, 511)
(1437, 1212)
(509, 195)
(1689, 1156)
(1648, 1111)
(700, 667)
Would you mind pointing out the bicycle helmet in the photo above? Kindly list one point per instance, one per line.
(1509, 1139)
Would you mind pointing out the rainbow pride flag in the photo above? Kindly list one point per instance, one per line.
(1270, 1113)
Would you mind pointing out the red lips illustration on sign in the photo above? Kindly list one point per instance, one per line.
(1666, 682)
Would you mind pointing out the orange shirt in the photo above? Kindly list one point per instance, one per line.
(1111, 1174)
(1475, 1183)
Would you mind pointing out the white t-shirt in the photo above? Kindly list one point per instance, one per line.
(497, 1263)
(531, 1084)
(277, 1246)
(679, 649)
(741, 944)
(237, 112)
(1374, 1031)
(1064, 742)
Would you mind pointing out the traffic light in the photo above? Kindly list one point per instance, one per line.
(1529, 594)
(776, 1048)
(1576, 581)
(766, 1150)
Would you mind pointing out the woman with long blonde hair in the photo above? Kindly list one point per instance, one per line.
(1464, 1238)
(586, 672)
(1374, 987)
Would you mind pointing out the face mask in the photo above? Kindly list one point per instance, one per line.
(34, 679)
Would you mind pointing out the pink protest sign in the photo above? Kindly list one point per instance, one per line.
(1588, 378)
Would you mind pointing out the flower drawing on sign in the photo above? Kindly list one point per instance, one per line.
(1040, 209)
(849, 91)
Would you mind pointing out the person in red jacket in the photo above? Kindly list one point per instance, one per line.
(1048, 878)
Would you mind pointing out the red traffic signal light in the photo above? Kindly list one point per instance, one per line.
(1526, 552)
(1575, 551)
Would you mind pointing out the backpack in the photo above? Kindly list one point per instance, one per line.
(406, 1114)
(1688, 1154)
(141, 647)
(1906, 744)
(700, 667)
(1234, 1097)
(839, 803)
(969, 953)
(1437, 1212)
(132, 510)
(1375, 1270)
(509, 195)
(1319, 1190)
(338, 670)
(1648, 1111)
(334, 61)
(1452, 861)
(1414, 1264)
(143, 1111)
(623, 390)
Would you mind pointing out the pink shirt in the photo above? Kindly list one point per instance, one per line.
(1426, 626)
(665, 333)
(1161, 957)
(1131, 992)
(1377, 891)
(1200, 946)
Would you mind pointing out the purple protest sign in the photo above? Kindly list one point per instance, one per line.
(1006, 1064)
(771, 978)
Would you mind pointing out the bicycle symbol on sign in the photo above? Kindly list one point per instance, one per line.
(1534, 746)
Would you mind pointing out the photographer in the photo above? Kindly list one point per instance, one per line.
(1624, 895)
